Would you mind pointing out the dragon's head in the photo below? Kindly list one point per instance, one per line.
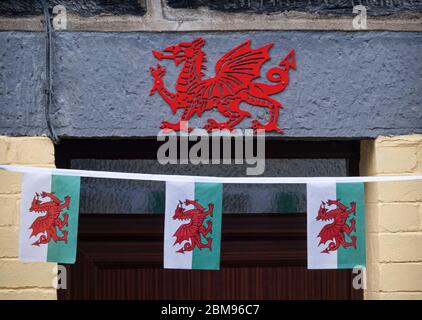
(180, 213)
(36, 203)
(181, 51)
(324, 214)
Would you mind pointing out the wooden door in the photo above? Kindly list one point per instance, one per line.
(263, 257)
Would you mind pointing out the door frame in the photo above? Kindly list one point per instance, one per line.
(271, 239)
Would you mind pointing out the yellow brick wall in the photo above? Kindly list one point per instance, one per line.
(393, 218)
(21, 280)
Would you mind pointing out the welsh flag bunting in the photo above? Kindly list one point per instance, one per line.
(336, 225)
(49, 218)
(192, 227)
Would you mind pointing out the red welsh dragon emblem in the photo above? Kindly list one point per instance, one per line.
(192, 231)
(47, 223)
(232, 84)
(336, 230)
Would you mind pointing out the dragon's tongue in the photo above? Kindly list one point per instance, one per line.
(157, 54)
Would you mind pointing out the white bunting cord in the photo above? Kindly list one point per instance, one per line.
(226, 180)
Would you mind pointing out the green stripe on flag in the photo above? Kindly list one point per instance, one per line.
(207, 193)
(63, 186)
(350, 257)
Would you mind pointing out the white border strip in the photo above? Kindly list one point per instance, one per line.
(237, 180)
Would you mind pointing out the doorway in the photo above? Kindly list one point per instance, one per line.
(263, 253)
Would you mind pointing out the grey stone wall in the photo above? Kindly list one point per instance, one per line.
(347, 85)
(89, 8)
(324, 7)
(215, 15)
(84, 8)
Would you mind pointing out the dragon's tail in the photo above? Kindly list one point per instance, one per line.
(187, 247)
(279, 75)
(289, 61)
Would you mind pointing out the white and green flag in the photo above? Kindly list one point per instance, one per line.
(336, 225)
(49, 218)
(192, 227)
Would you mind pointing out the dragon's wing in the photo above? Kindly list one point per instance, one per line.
(235, 70)
(40, 225)
(184, 232)
(328, 232)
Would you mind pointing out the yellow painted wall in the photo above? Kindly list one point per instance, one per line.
(20, 280)
(393, 218)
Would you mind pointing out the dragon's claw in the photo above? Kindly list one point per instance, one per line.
(178, 126)
(158, 75)
(353, 241)
(164, 124)
(65, 233)
(188, 202)
(256, 125)
(167, 125)
(213, 125)
(66, 219)
(158, 72)
(353, 224)
(353, 205)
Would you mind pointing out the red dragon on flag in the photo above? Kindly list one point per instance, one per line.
(192, 231)
(47, 223)
(336, 230)
(232, 84)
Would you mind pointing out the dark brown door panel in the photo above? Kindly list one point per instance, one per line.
(262, 257)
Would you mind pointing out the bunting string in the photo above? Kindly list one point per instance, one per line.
(193, 215)
(209, 179)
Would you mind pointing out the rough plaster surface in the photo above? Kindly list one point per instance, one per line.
(85, 8)
(22, 80)
(346, 84)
